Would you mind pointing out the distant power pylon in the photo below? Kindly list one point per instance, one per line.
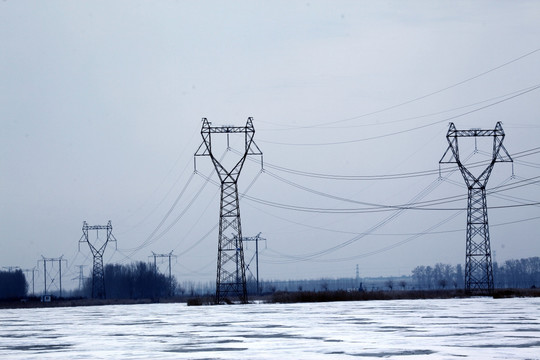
(231, 275)
(80, 277)
(52, 261)
(256, 239)
(478, 264)
(97, 249)
(169, 255)
(33, 271)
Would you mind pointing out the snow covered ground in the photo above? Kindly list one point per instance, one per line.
(476, 328)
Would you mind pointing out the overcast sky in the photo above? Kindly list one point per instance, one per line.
(101, 105)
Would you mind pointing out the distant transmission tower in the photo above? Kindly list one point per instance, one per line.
(33, 271)
(478, 264)
(255, 238)
(231, 275)
(97, 249)
(45, 278)
(169, 255)
(80, 277)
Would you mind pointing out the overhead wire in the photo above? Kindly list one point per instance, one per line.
(380, 177)
(375, 227)
(153, 237)
(372, 207)
(340, 231)
(375, 137)
(384, 123)
(150, 237)
(164, 197)
(419, 97)
(211, 230)
(316, 256)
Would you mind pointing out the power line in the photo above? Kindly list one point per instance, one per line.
(373, 208)
(380, 177)
(417, 98)
(523, 92)
(423, 193)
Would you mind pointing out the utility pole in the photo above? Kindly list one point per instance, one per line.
(97, 249)
(52, 261)
(231, 275)
(478, 263)
(169, 255)
(256, 239)
(33, 270)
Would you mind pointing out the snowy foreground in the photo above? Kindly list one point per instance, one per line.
(477, 328)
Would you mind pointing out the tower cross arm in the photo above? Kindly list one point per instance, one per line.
(453, 132)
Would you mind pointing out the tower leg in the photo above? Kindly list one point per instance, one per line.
(98, 278)
(231, 276)
(478, 265)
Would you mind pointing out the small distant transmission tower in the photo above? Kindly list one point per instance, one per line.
(478, 264)
(33, 271)
(169, 255)
(45, 278)
(80, 277)
(231, 275)
(98, 272)
(255, 238)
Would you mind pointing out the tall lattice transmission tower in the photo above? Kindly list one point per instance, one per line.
(97, 248)
(231, 274)
(478, 264)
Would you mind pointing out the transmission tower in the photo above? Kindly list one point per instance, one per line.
(231, 275)
(52, 261)
(256, 239)
(169, 255)
(478, 264)
(80, 277)
(33, 271)
(97, 249)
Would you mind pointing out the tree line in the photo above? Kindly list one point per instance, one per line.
(137, 280)
(13, 285)
(140, 280)
(522, 273)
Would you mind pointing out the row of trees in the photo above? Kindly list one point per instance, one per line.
(522, 273)
(13, 285)
(138, 280)
(440, 276)
(141, 280)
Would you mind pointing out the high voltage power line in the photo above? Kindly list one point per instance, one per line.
(287, 258)
(153, 237)
(374, 137)
(289, 127)
(424, 205)
(380, 177)
(376, 208)
(159, 231)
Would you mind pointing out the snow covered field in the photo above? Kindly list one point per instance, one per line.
(477, 328)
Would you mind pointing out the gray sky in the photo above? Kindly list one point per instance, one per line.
(101, 105)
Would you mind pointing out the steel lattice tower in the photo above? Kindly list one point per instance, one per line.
(98, 272)
(478, 265)
(231, 274)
